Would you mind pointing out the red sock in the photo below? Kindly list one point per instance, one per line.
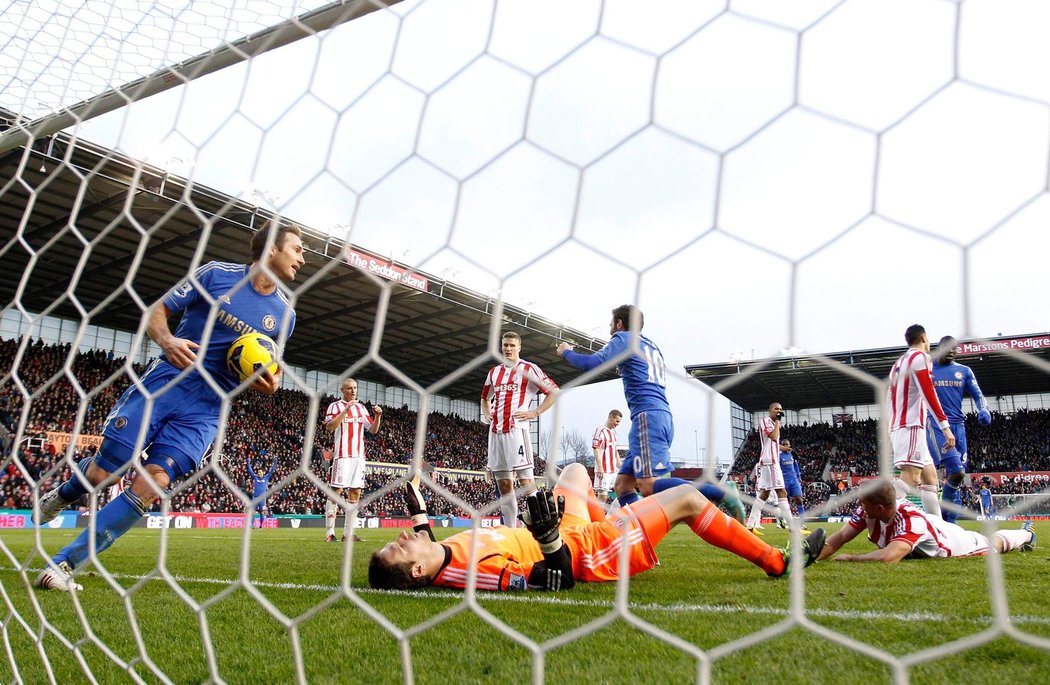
(722, 530)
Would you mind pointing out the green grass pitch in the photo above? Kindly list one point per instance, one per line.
(703, 596)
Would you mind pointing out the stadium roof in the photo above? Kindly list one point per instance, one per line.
(143, 227)
(810, 381)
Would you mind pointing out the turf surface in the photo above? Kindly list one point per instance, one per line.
(700, 598)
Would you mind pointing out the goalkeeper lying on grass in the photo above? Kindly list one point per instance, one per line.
(568, 538)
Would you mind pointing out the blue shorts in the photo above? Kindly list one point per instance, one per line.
(953, 459)
(180, 425)
(793, 487)
(649, 445)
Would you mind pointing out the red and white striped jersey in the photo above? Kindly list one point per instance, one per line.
(770, 451)
(908, 525)
(605, 441)
(510, 390)
(349, 435)
(910, 392)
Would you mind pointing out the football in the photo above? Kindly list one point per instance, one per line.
(251, 352)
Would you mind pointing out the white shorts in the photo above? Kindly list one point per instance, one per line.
(910, 447)
(606, 481)
(959, 541)
(510, 451)
(770, 477)
(348, 472)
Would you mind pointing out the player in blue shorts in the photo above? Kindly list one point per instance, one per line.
(793, 481)
(260, 484)
(951, 381)
(221, 302)
(652, 428)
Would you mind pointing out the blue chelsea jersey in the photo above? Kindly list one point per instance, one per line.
(238, 309)
(952, 381)
(644, 375)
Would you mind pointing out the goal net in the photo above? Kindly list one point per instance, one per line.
(760, 177)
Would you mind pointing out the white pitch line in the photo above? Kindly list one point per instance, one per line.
(528, 598)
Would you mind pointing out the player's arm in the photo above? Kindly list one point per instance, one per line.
(984, 417)
(273, 467)
(542, 517)
(377, 413)
(616, 346)
(925, 380)
(837, 539)
(890, 554)
(251, 469)
(417, 507)
(178, 351)
(331, 425)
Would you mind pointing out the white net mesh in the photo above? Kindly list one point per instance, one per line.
(755, 175)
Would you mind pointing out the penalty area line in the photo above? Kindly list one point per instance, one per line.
(528, 598)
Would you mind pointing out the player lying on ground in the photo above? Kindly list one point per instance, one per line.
(901, 530)
(568, 538)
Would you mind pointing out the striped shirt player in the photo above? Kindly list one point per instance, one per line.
(606, 456)
(770, 476)
(909, 396)
(901, 530)
(173, 412)
(506, 396)
(347, 420)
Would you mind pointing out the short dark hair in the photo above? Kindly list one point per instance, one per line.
(512, 334)
(282, 230)
(615, 412)
(914, 332)
(625, 312)
(882, 493)
(387, 576)
(948, 341)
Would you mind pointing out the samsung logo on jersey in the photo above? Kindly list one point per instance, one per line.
(948, 384)
(227, 319)
(505, 387)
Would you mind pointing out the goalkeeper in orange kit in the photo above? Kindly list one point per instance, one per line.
(568, 538)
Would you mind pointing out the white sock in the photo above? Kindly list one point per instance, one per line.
(1012, 539)
(902, 488)
(329, 518)
(350, 522)
(510, 510)
(785, 511)
(755, 517)
(930, 502)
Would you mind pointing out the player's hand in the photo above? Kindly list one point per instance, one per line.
(542, 517)
(984, 417)
(526, 415)
(180, 352)
(486, 419)
(414, 501)
(563, 348)
(267, 383)
(949, 439)
(377, 410)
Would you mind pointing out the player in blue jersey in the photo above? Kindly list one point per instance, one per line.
(219, 304)
(951, 381)
(652, 427)
(793, 481)
(985, 493)
(260, 484)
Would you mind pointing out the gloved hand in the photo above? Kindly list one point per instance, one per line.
(542, 517)
(984, 417)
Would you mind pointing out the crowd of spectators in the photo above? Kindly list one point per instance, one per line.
(55, 389)
(51, 383)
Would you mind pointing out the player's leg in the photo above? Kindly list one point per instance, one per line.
(655, 435)
(338, 481)
(928, 489)
(503, 458)
(910, 454)
(353, 498)
(783, 505)
(1009, 540)
(581, 506)
(687, 505)
(625, 488)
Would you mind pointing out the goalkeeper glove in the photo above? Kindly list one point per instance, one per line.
(984, 417)
(417, 508)
(541, 517)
